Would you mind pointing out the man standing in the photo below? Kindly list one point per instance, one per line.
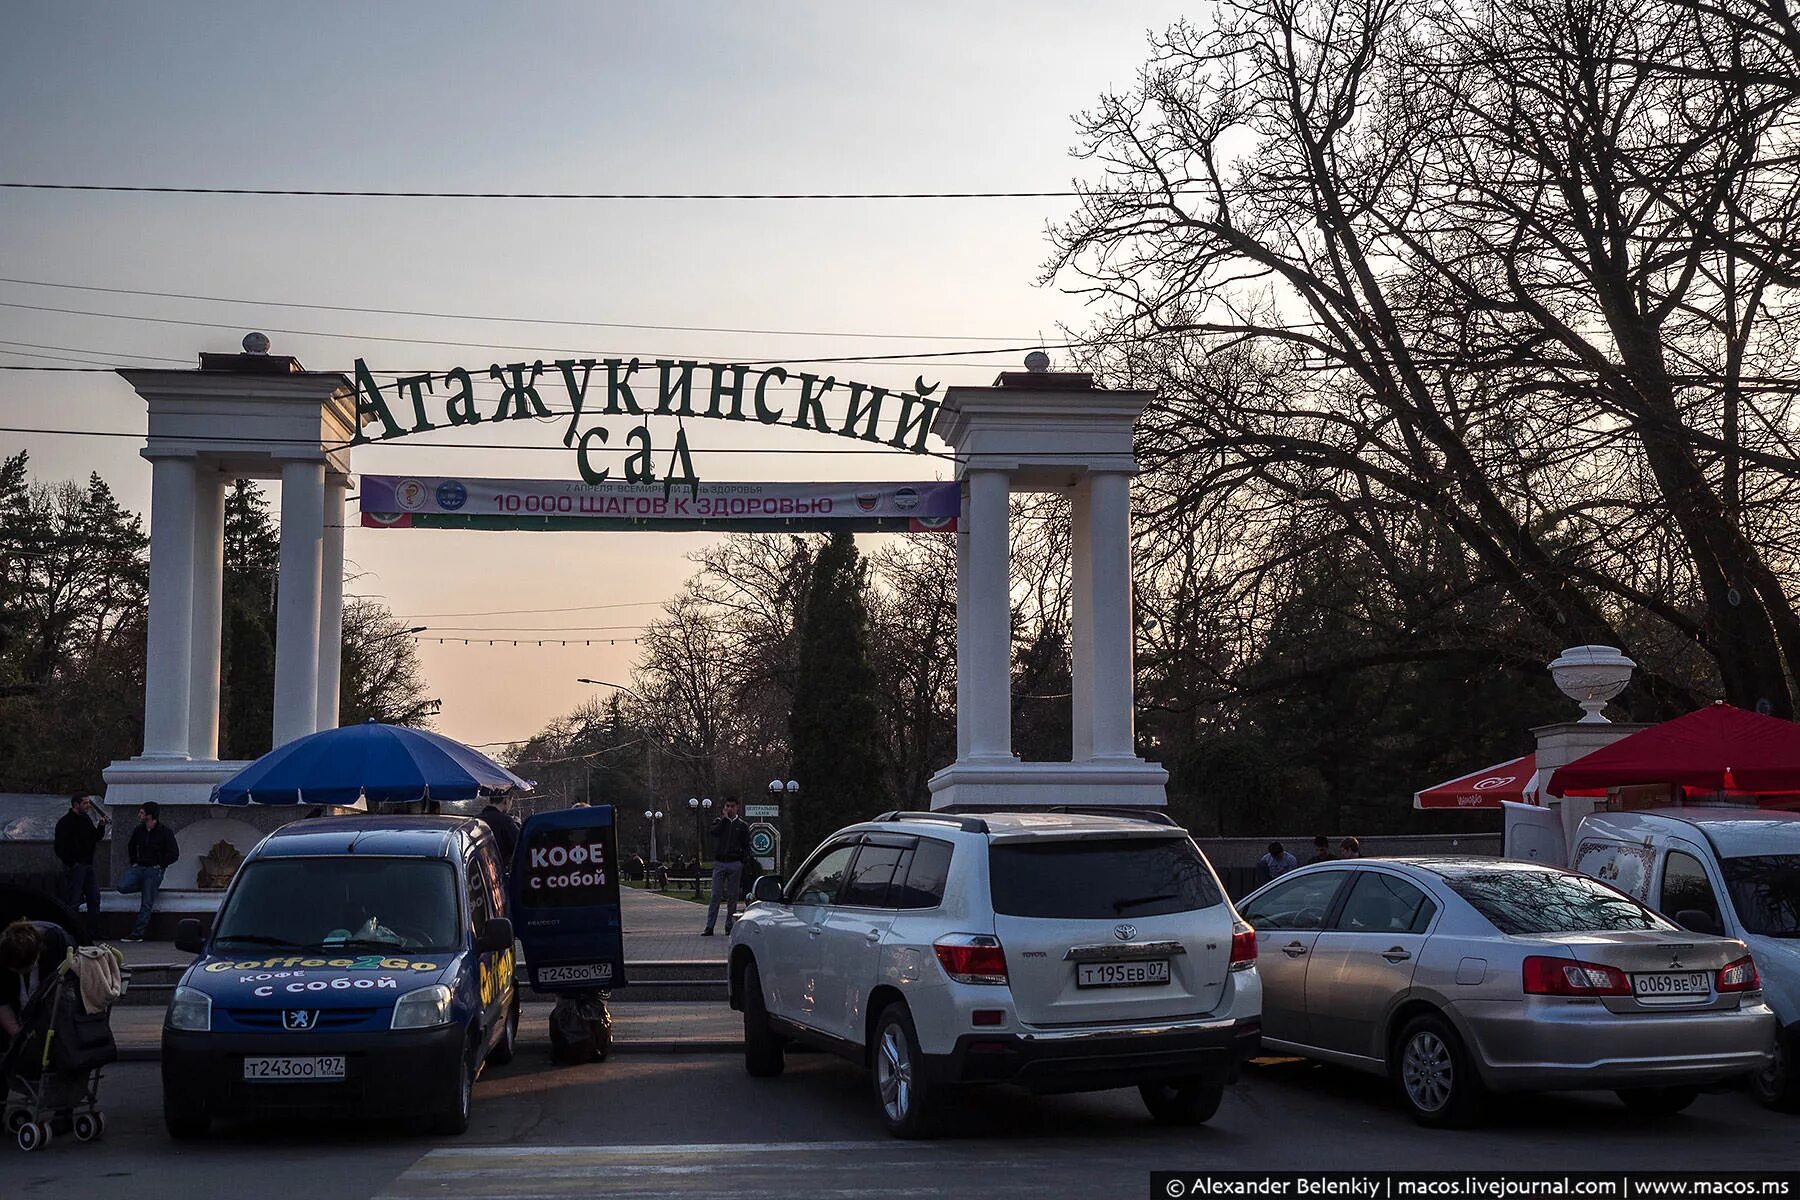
(1321, 850)
(77, 837)
(151, 851)
(730, 851)
(1273, 865)
(498, 817)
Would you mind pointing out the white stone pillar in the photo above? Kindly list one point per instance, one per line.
(1112, 696)
(170, 636)
(965, 625)
(988, 604)
(1081, 620)
(331, 602)
(297, 604)
(209, 572)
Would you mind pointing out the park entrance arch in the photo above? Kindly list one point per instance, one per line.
(263, 416)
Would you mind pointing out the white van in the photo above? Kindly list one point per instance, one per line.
(1729, 870)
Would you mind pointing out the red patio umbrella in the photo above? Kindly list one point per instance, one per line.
(1515, 780)
(1716, 749)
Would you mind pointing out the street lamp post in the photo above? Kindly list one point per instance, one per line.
(697, 807)
(652, 816)
(778, 789)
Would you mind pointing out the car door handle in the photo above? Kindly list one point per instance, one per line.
(1396, 954)
(1294, 949)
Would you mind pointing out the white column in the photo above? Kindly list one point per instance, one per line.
(170, 636)
(1113, 695)
(209, 569)
(297, 605)
(331, 602)
(1081, 620)
(965, 625)
(988, 601)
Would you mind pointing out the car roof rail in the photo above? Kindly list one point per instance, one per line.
(966, 824)
(1154, 816)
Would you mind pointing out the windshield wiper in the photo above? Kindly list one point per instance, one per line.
(360, 944)
(259, 939)
(1122, 905)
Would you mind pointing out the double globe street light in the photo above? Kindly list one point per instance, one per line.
(653, 816)
(698, 806)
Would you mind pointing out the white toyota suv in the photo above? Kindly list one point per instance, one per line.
(1063, 952)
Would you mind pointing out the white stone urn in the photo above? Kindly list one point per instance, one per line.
(1591, 676)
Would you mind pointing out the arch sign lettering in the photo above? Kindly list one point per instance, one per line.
(600, 395)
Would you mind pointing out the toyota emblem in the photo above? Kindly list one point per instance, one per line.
(1124, 932)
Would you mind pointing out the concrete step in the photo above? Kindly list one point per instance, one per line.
(668, 980)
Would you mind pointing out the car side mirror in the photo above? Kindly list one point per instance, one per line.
(1698, 920)
(188, 937)
(767, 889)
(496, 937)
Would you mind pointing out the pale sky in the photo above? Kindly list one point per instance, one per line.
(691, 97)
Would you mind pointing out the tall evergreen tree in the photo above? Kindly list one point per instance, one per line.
(247, 674)
(835, 726)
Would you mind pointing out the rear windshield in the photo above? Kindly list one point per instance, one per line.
(1765, 890)
(1100, 880)
(1528, 901)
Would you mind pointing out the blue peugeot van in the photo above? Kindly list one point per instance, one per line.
(358, 966)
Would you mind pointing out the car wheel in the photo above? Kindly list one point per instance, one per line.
(909, 1106)
(1776, 1086)
(764, 1056)
(454, 1117)
(1182, 1101)
(507, 1046)
(1432, 1070)
(1658, 1102)
(185, 1123)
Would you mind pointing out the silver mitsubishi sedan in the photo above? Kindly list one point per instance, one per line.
(1457, 977)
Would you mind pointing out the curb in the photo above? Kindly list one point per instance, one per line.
(150, 1054)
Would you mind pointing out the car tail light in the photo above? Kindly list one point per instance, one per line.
(1739, 976)
(988, 1016)
(1243, 947)
(1547, 975)
(972, 957)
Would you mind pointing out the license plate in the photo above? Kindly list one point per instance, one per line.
(295, 1070)
(580, 973)
(1121, 974)
(1672, 985)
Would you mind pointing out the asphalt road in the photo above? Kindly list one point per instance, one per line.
(696, 1125)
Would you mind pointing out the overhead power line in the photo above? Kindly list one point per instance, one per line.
(907, 358)
(520, 612)
(229, 439)
(372, 193)
(450, 316)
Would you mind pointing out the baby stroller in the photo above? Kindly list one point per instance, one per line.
(50, 1075)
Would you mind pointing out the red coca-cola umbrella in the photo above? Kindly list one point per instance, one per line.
(1515, 780)
(1716, 749)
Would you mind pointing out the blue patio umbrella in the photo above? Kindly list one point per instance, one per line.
(384, 764)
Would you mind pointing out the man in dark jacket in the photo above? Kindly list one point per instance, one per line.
(498, 817)
(77, 837)
(151, 851)
(730, 852)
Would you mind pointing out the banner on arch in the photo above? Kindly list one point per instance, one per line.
(467, 502)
